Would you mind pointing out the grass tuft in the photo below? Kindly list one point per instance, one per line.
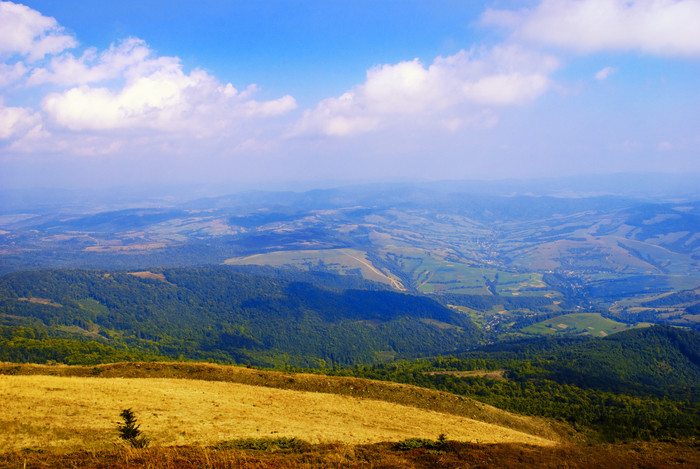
(295, 445)
(422, 443)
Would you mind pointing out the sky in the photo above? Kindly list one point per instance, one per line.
(266, 93)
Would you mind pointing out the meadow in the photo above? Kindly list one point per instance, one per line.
(70, 408)
(70, 413)
(580, 323)
(196, 415)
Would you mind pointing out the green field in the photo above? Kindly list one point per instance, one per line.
(579, 323)
(427, 271)
(479, 317)
(441, 271)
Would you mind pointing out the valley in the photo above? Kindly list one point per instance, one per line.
(349, 234)
(382, 315)
(596, 254)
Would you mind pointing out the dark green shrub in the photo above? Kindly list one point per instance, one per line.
(425, 443)
(266, 444)
(130, 431)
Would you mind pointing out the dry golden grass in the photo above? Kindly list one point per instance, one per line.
(402, 394)
(68, 413)
(65, 416)
(127, 248)
(341, 259)
(382, 455)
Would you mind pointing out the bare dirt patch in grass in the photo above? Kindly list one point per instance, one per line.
(41, 301)
(492, 374)
(150, 275)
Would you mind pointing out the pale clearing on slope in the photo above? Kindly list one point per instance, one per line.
(52, 412)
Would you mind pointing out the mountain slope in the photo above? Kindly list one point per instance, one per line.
(181, 403)
(221, 313)
(659, 360)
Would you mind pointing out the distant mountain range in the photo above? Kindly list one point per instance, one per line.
(605, 253)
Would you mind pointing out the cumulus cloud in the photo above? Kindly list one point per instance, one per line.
(17, 121)
(102, 101)
(10, 73)
(129, 55)
(660, 27)
(156, 93)
(28, 33)
(604, 73)
(451, 91)
(164, 98)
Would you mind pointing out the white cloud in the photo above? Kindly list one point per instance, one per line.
(451, 92)
(28, 33)
(661, 27)
(604, 73)
(166, 99)
(105, 101)
(92, 67)
(11, 73)
(17, 121)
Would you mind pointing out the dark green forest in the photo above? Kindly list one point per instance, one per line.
(223, 314)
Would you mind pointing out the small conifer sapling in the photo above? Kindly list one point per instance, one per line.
(130, 431)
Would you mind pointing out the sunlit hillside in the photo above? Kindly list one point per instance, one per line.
(49, 412)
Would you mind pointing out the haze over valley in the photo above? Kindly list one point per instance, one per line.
(350, 234)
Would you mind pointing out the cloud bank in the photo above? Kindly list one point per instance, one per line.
(28, 33)
(156, 95)
(488, 106)
(453, 91)
(108, 97)
(659, 27)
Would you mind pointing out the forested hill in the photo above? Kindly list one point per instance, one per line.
(658, 360)
(641, 383)
(221, 313)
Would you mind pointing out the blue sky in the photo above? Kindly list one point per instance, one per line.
(261, 93)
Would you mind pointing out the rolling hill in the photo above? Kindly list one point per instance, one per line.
(201, 414)
(208, 404)
(269, 317)
(594, 252)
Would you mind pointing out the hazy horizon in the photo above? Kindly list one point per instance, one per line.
(283, 94)
(654, 188)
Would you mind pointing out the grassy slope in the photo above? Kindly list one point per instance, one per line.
(219, 402)
(579, 323)
(79, 413)
(339, 260)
